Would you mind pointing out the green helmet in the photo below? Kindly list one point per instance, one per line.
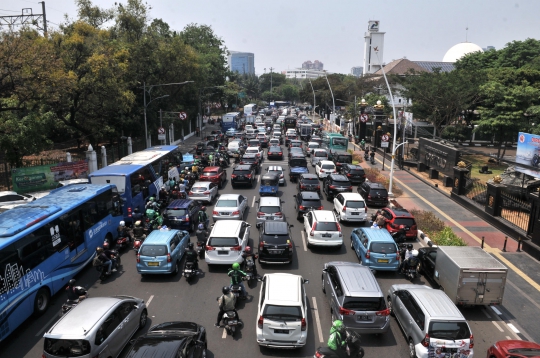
(151, 198)
(338, 324)
(236, 266)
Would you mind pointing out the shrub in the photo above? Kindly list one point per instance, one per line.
(447, 237)
(375, 176)
(428, 222)
(357, 156)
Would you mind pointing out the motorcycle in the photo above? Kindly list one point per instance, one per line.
(107, 244)
(137, 242)
(353, 347)
(249, 266)
(102, 269)
(372, 158)
(200, 249)
(366, 156)
(79, 291)
(410, 266)
(237, 291)
(189, 271)
(122, 242)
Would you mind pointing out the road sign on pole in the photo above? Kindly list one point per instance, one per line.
(385, 138)
(364, 118)
(182, 115)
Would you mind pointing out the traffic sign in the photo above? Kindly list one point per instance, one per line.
(218, 105)
(364, 118)
(384, 144)
(385, 138)
(182, 115)
(161, 130)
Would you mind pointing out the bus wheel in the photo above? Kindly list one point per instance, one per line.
(42, 300)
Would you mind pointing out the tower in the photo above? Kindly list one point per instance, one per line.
(373, 41)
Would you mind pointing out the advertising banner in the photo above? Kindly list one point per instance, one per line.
(528, 152)
(46, 177)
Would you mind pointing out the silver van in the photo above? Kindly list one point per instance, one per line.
(269, 209)
(97, 326)
(355, 297)
(432, 323)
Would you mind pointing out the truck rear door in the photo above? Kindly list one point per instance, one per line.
(481, 287)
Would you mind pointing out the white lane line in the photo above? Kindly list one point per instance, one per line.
(253, 202)
(508, 337)
(303, 240)
(224, 335)
(317, 319)
(498, 327)
(47, 325)
(513, 328)
(486, 313)
(496, 310)
(149, 300)
(258, 178)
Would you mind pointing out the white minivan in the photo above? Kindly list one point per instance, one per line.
(322, 229)
(226, 242)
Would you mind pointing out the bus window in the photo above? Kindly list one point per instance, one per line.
(37, 248)
(9, 266)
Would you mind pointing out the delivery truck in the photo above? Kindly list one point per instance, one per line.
(469, 275)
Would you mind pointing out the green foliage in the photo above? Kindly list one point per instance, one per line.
(455, 133)
(375, 176)
(271, 80)
(446, 237)
(427, 221)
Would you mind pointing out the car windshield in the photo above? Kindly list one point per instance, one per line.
(344, 158)
(365, 304)
(176, 212)
(223, 241)
(153, 250)
(269, 209)
(226, 203)
(326, 226)
(66, 347)
(310, 181)
(383, 248)
(275, 239)
(404, 221)
(282, 313)
(328, 166)
(355, 204)
(449, 330)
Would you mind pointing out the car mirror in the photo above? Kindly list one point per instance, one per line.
(294, 196)
(306, 281)
(325, 270)
(132, 341)
(291, 226)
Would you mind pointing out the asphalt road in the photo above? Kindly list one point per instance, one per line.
(172, 298)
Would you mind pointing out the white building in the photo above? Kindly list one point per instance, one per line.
(373, 48)
(303, 74)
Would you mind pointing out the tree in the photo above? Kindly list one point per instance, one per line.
(289, 92)
(271, 80)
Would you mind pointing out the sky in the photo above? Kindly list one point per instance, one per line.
(284, 33)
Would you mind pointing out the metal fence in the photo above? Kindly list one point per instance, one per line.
(515, 210)
(476, 191)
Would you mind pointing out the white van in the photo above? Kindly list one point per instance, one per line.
(226, 242)
(233, 147)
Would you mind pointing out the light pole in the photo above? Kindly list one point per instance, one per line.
(200, 106)
(333, 103)
(313, 94)
(354, 115)
(147, 104)
(395, 127)
(271, 68)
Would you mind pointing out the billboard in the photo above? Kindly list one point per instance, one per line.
(46, 177)
(528, 153)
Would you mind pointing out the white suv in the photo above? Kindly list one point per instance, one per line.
(226, 243)
(350, 207)
(324, 168)
(322, 229)
(282, 315)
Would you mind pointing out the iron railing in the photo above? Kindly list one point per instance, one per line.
(515, 210)
(476, 191)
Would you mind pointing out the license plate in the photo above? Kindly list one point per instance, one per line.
(281, 331)
(224, 214)
(385, 261)
(355, 213)
(222, 252)
(362, 318)
(153, 264)
(240, 177)
(233, 321)
(341, 189)
(269, 217)
(275, 252)
(326, 235)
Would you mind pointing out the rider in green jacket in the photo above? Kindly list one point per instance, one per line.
(336, 341)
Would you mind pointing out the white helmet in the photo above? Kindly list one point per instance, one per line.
(201, 226)
(122, 223)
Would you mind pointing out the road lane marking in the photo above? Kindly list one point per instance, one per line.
(258, 178)
(149, 300)
(253, 202)
(303, 239)
(224, 335)
(513, 328)
(508, 337)
(48, 324)
(498, 327)
(496, 310)
(317, 319)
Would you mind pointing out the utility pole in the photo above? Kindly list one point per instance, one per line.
(27, 18)
(271, 68)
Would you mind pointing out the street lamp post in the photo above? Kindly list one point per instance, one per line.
(313, 94)
(333, 104)
(147, 104)
(200, 106)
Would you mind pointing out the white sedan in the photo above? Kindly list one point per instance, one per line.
(324, 168)
(230, 207)
(203, 191)
(255, 150)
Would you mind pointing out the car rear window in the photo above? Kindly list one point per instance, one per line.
(311, 202)
(341, 182)
(153, 250)
(242, 172)
(282, 313)
(381, 192)
(226, 203)
(275, 239)
(198, 188)
(313, 145)
(404, 221)
(321, 154)
(327, 166)
(357, 171)
(269, 209)
(449, 330)
(326, 226)
(223, 241)
(66, 347)
(310, 181)
(355, 204)
(176, 212)
(209, 174)
(365, 304)
(344, 159)
(383, 248)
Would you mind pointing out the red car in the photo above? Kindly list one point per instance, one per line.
(215, 175)
(398, 218)
(514, 349)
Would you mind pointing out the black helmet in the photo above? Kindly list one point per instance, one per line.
(409, 247)
(226, 290)
(190, 245)
(71, 282)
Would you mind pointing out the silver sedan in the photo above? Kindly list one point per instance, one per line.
(230, 207)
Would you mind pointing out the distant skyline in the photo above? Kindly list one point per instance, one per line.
(283, 34)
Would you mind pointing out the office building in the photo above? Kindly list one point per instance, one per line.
(357, 71)
(316, 65)
(241, 62)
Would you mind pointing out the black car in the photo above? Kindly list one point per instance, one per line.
(354, 173)
(243, 175)
(309, 182)
(171, 339)
(339, 158)
(426, 261)
(275, 243)
(275, 152)
(252, 160)
(254, 143)
(334, 184)
(305, 201)
(373, 193)
(180, 213)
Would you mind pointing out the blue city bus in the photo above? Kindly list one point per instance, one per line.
(139, 176)
(45, 243)
(230, 120)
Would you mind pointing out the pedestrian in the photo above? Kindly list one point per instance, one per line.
(182, 139)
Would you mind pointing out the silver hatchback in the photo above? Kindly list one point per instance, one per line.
(269, 209)
(96, 326)
(355, 297)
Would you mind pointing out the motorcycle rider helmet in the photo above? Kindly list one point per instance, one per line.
(201, 226)
(122, 223)
(409, 247)
(236, 266)
(375, 225)
(138, 223)
(190, 246)
(151, 199)
(226, 290)
(99, 249)
(163, 187)
(338, 325)
(71, 283)
(203, 208)
(247, 250)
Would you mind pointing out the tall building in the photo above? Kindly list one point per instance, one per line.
(315, 65)
(357, 71)
(241, 62)
(373, 48)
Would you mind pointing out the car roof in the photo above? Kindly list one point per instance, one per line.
(326, 162)
(275, 168)
(281, 290)
(159, 236)
(357, 278)
(338, 177)
(320, 150)
(309, 195)
(242, 167)
(276, 227)
(202, 183)
(269, 201)
(435, 302)
(324, 215)
(228, 197)
(352, 196)
(4, 193)
(378, 235)
(179, 204)
(226, 228)
(308, 176)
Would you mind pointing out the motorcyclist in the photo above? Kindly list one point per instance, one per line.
(248, 253)
(211, 159)
(137, 215)
(138, 230)
(195, 167)
(408, 255)
(191, 256)
(201, 233)
(203, 217)
(152, 204)
(226, 302)
(363, 144)
(236, 276)
(337, 341)
(107, 259)
(124, 231)
(204, 160)
(72, 293)
(372, 155)
(163, 194)
(182, 188)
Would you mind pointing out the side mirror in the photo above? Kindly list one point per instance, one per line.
(306, 281)
(291, 226)
(282, 201)
(325, 270)
(294, 196)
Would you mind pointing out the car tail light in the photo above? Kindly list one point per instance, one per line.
(364, 176)
(260, 214)
(129, 211)
(471, 343)
(209, 248)
(260, 322)
(312, 233)
(349, 188)
(138, 258)
(233, 176)
(248, 176)
(425, 341)
(186, 218)
(369, 197)
(333, 187)
(278, 214)
(206, 192)
(302, 186)
(215, 213)
(190, 192)
(320, 208)
(365, 209)
(301, 207)
(304, 325)
(367, 254)
(319, 355)
(385, 312)
(290, 244)
(349, 175)
(169, 258)
(236, 248)
(345, 312)
(280, 153)
(261, 245)
(237, 212)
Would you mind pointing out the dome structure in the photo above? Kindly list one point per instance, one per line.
(461, 49)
